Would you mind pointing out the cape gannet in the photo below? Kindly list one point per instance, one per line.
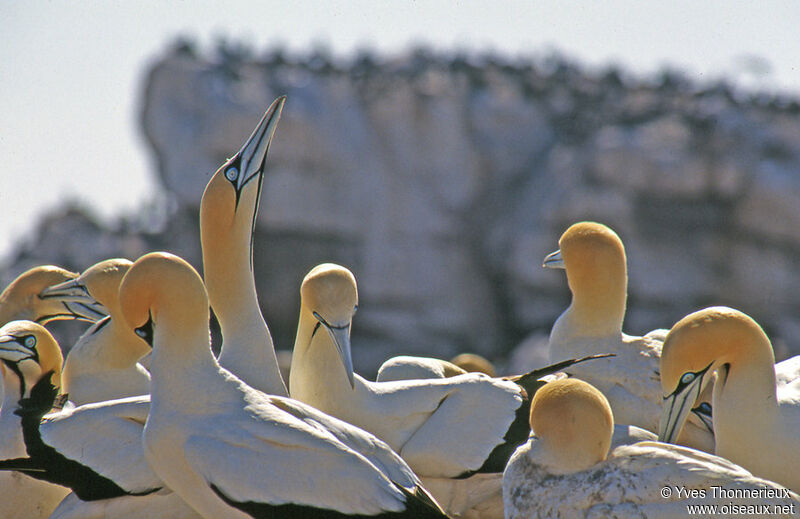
(228, 213)
(754, 426)
(94, 450)
(103, 364)
(26, 352)
(594, 259)
(445, 428)
(233, 452)
(565, 469)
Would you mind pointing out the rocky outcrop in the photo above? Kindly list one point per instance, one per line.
(443, 182)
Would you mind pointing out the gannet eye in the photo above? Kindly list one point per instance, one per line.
(355, 309)
(232, 174)
(687, 378)
(705, 407)
(30, 341)
(141, 333)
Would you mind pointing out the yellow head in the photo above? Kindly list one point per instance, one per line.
(21, 299)
(697, 346)
(102, 280)
(329, 293)
(159, 284)
(593, 255)
(473, 363)
(32, 350)
(573, 420)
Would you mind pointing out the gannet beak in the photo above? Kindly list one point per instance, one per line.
(703, 412)
(251, 158)
(678, 405)
(341, 338)
(553, 260)
(14, 350)
(76, 299)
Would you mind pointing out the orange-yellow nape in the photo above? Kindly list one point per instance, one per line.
(330, 287)
(36, 338)
(715, 334)
(160, 281)
(573, 418)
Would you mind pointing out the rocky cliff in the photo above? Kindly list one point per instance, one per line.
(442, 182)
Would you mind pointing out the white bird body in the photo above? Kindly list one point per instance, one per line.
(454, 428)
(594, 259)
(228, 214)
(756, 426)
(103, 363)
(94, 449)
(565, 469)
(229, 450)
(408, 367)
(629, 484)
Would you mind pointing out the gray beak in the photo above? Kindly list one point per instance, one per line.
(678, 405)
(553, 260)
(253, 155)
(341, 337)
(77, 301)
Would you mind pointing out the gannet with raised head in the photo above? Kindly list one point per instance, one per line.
(94, 450)
(754, 426)
(445, 428)
(594, 259)
(27, 353)
(231, 451)
(228, 214)
(565, 469)
(407, 367)
(103, 364)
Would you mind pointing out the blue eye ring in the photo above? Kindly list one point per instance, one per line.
(687, 378)
(232, 174)
(30, 341)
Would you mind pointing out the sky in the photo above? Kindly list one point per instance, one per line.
(71, 72)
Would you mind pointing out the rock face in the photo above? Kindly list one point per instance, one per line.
(442, 183)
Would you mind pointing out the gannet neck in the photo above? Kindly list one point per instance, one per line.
(594, 259)
(573, 424)
(20, 299)
(12, 388)
(228, 213)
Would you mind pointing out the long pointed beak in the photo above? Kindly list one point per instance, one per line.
(677, 407)
(77, 301)
(341, 338)
(13, 351)
(253, 154)
(554, 261)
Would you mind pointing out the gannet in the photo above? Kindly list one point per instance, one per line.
(445, 428)
(94, 450)
(754, 426)
(228, 213)
(22, 298)
(594, 259)
(27, 350)
(102, 365)
(565, 469)
(231, 451)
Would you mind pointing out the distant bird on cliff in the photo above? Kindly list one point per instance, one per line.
(566, 471)
(228, 214)
(755, 425)
(231, 451)
(103, 363)
(594, 259)
(456, 433)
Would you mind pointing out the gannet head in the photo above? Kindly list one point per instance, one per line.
(573, 422)
(23, 298)
(97, 287)
(472, 363)
(161, 283)
(697, 346)
(229, 206)
(30, 351)
(330, 294)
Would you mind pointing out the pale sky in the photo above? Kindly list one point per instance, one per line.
(71, 72)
